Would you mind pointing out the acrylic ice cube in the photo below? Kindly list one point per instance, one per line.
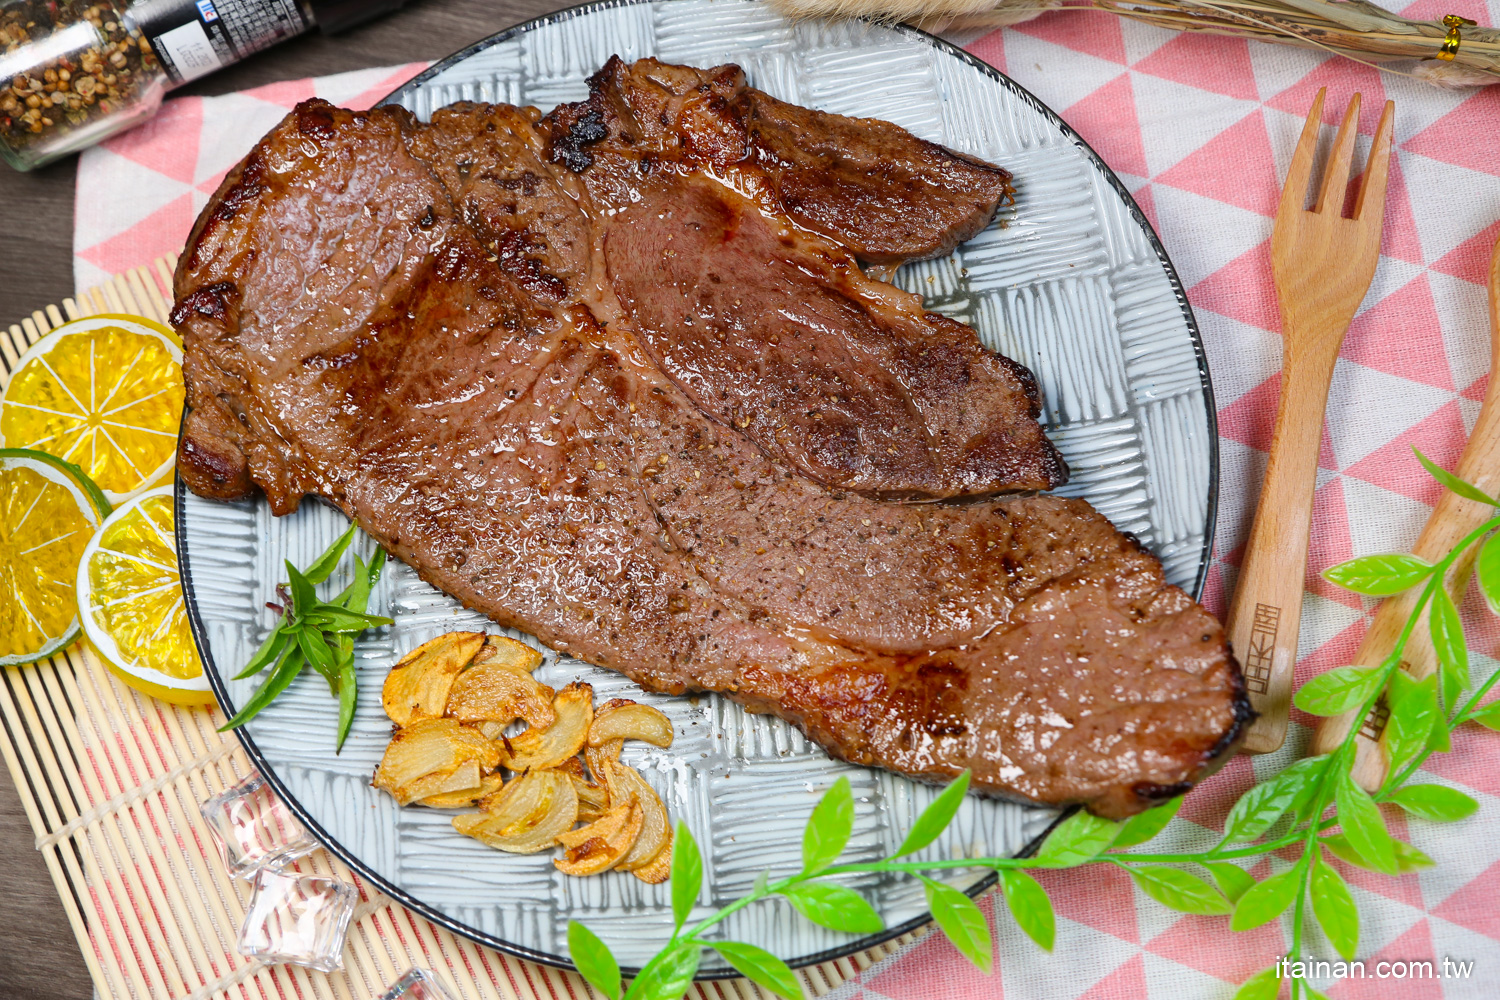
(254, 829)
(298, 920)
(417, 984)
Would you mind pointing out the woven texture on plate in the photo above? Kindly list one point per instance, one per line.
(111, 781)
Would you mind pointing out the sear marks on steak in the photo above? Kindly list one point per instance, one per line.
(352, 333)
(852, 180)
(773, 328)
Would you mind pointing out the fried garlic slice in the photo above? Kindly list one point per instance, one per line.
(418, 686)
(593, 796)
(599, 758)
(432, 747)
(526, 816)
(503, 651)
(600, 845)
(593, 799)
(494, 692)
(660, 867)
(623, 719)
(440, 783)
(626, 782)
(468, 796)
(539, 749)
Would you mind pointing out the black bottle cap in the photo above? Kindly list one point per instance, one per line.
(334, 16)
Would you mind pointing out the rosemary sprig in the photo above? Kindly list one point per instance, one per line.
(316, 633)
(1314, 807)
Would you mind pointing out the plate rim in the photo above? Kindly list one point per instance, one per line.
(865, 943)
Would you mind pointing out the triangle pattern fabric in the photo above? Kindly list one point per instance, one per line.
(1096, 34)
(933, 958)
(377, 90)
(1103, 901)
(1474, 905)
(159, 233)
(1250, 419)
(168, 143)
(1401, 335)
(990, 48)
(1477, 121)
(1242, 289)
(1233, 959)
(1236, 167)
(1399, 236)
(1440, 437)
(287, 93)
(1343, 79)
(1470, 260)
(1127, 980)
(1211, 801)
(1329, 545)
(1415, 943)
(1107, 121)
(1220, 69)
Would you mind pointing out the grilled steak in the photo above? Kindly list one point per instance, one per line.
(854, 180)
(774, 328)
(414, 338)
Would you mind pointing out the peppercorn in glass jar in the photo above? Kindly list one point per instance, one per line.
(71, 73)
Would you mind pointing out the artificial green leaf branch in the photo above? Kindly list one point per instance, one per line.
(1313, 807)
(315, 633)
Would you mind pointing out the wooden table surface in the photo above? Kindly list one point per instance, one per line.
(39, 959)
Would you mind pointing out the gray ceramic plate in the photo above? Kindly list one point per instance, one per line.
(1074, 285)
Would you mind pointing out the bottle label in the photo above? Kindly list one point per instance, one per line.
(196, 37)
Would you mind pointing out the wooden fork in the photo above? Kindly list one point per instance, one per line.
(1323, 264)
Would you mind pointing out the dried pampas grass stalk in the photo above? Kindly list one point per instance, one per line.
(1352, 28)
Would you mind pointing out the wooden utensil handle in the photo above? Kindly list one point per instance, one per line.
(1266, 611)
(1452, 519)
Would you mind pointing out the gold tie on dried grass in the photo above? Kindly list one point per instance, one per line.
(458, 693)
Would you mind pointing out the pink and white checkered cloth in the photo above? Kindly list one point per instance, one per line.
(1200, 129)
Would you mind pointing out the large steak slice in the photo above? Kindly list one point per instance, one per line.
(718, 250)
(362, 324)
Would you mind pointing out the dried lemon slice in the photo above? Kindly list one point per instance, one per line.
(130, 600)
(104, 392)
(47, 515)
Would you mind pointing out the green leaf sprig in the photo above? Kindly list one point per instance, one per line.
(1309, 811)
(316, 633)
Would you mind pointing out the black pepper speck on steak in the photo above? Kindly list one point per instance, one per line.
(371, 320)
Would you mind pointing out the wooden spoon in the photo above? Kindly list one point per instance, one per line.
(1452, 519)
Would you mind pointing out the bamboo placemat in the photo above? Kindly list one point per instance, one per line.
(111, 781)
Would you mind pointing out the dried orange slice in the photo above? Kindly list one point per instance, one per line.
(130, 601)
(103, 392)
(48, 512)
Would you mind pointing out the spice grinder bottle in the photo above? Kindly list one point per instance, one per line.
(74, 72)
